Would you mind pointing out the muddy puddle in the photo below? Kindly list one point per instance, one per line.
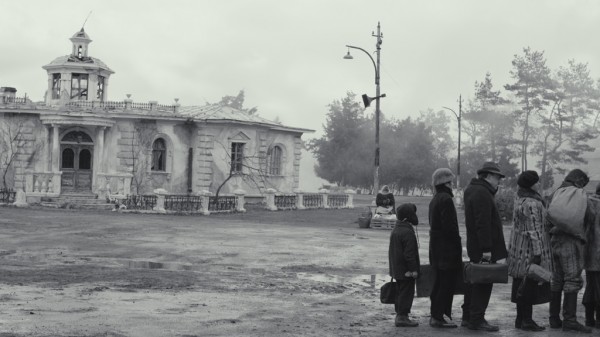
(372, 280)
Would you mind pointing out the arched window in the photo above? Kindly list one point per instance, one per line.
(85, 159)
(68, 158)
(159, 155)
(275, 160)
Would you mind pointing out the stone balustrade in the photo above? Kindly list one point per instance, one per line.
(42, 184)
(114, 185)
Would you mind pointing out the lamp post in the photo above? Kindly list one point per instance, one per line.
(458, 118)
(378, 95)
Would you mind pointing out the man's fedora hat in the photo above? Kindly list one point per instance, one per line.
(491, 167)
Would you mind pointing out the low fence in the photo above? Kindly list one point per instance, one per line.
(7, 196)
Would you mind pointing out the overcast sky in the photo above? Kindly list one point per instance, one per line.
(287, 55)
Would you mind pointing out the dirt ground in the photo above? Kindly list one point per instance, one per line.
(287, 273)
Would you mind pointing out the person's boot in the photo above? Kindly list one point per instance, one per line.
(589, 315)
(570, 322)
(519, 318)
(528, 324)
(554, 319)
(404, 321)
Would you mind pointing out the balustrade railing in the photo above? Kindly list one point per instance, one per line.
(42, 183)
(223, 203)
(313, 200)
(337, 200)
(114, 185)
(7, 196)
(183, 203)
(139, 202)
(285, 201)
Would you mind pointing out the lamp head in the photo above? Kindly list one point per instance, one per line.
(348, 56)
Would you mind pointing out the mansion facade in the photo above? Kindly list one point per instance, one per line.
(77, 141)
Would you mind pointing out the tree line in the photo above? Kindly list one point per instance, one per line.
(542, 120)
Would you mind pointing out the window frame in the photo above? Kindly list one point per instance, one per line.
(56, 78)
(237, 157)
(275, 160)
(79, 92)
(159, 156)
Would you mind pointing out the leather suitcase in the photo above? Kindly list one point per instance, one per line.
(486, 273)
(425, 282)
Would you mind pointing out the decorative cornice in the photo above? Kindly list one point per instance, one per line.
(76, 120)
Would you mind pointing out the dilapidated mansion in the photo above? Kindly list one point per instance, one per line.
(77, 141)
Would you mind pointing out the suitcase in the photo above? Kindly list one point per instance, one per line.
(425, 282)
(486, 273)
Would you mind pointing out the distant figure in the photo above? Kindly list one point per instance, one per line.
(591, 295)
(485, 241)
(385, 201)
(529, 244)
(445, 248)
(404, 262)
(567, 240)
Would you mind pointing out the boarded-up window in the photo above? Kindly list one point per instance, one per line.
(237, 157)
(55, 86)
(79, 86)
(275, 160)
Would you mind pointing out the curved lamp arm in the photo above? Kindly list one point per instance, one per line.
(372, 60)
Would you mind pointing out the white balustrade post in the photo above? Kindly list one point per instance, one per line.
(324, 194)
(240, 200)
(57, 176)
(299, 199)
(28, 181)
(20, 199)
(350, 194)
(205, 201)
(271, 199)
(160, 200)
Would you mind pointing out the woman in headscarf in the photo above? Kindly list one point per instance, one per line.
(529, 244)
(385, 199)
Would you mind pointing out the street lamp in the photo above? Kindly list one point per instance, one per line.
(458, 117)
(367, 99)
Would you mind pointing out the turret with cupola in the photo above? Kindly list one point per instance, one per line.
(77, 77)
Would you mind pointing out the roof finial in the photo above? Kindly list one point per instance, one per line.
(88, 16)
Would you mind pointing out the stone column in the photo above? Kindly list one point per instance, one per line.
(324, 194)
(55, 148)
(239, 194)
(271, 199)
(160, 200)
(205, 201)
(350, 194)
(299, 199)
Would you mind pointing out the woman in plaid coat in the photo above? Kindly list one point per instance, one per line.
(529, 243)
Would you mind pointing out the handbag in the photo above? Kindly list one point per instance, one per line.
(538, 273)
(389, 292)
(486, 273)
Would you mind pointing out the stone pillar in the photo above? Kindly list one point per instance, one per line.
(271, 199)
(160, 200)
(299, 199)
(350, 194)
(239, 195)
(55, 148)
(324, 194)
(205, 201)
(99, 164)
(20, 199)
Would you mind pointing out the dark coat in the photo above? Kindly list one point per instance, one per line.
(404, 252)
(592, 247)
(484, 227)
(385, 200)
(445, 247)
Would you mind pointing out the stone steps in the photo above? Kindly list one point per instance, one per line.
(77, 201)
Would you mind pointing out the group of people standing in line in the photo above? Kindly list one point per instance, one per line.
(533, 240)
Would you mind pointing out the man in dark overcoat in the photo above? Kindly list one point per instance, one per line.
(445, 248)
(485, 241)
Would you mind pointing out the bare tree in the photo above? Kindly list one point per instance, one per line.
(13, 142)
(252, 169)
(141, 149)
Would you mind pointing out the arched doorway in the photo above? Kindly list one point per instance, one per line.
(76, 159)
